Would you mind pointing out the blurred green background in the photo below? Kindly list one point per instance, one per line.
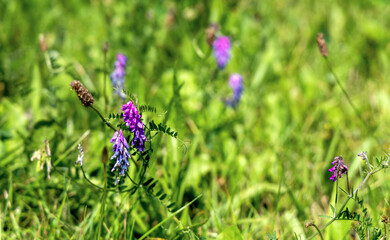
(261, 168)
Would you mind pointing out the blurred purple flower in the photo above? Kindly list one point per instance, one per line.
(338, 167)
(222, 47)
(121, 153)
(118, 75)
(133, 121)
(236, 84)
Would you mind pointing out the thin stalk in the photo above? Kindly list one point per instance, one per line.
(103, 119)
(318, 230)
(131, 179)
(345, 92)
(105, 79)
(89, 181)
(331, 221)
(104, 198)
(337, 193)
(168, 218)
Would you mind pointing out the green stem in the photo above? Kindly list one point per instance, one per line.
(337, 192)
(105, 80)
(345, 92)
(168, 218)
(89, 181)
(104, 197)
(333, 219)
(103, 119)
(318, 230)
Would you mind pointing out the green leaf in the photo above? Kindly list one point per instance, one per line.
(163, 197)
(148, 182)
(331, 207)
(171, 205)
(159, 192)
(230, 233)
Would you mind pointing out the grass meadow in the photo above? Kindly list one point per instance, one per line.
(258, 170)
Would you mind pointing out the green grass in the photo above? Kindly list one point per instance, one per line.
(259, 169)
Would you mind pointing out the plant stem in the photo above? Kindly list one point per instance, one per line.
(337, 193)
(168, 218)
(318, 230)
(344, 92)
(103, 119)
(105, 79)
(333, 219)
(104, 197)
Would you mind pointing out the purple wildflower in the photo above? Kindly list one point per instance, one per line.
(235, 83)
(80, 157)
(121, 153)
(222, 47)
(338, 167)
(133, 121)
(363, 155)
(117, 76)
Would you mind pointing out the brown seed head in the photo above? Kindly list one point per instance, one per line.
(105, 156)
(210, 33)
(322, 44)
(42, 43)
(84, 95)
(385, 219)
(105, 47)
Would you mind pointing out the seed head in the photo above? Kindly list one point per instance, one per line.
(322, 44)
(385, 219)
(105, 47)
(84, 95)
(104, 156)
(210, 33)
(42, 43)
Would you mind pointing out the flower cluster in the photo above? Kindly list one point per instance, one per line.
(338, 168)
(117, 76)
(236, 84)
(121, 153)
(222, 47)
(133, 121)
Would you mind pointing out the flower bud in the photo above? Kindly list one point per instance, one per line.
(84, 95)
(322, 44)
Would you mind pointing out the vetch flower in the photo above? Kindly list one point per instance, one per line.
(222, 47)
(338, 168)
(121, 153)
(363, 155)
(80, 157)
(236, 84)
(133, 121)
(118, 75)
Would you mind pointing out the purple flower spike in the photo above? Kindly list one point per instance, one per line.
(222, 47)
(121, 153)
(338, 167)
(133, 121)
(118, 75)
(236, 84)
